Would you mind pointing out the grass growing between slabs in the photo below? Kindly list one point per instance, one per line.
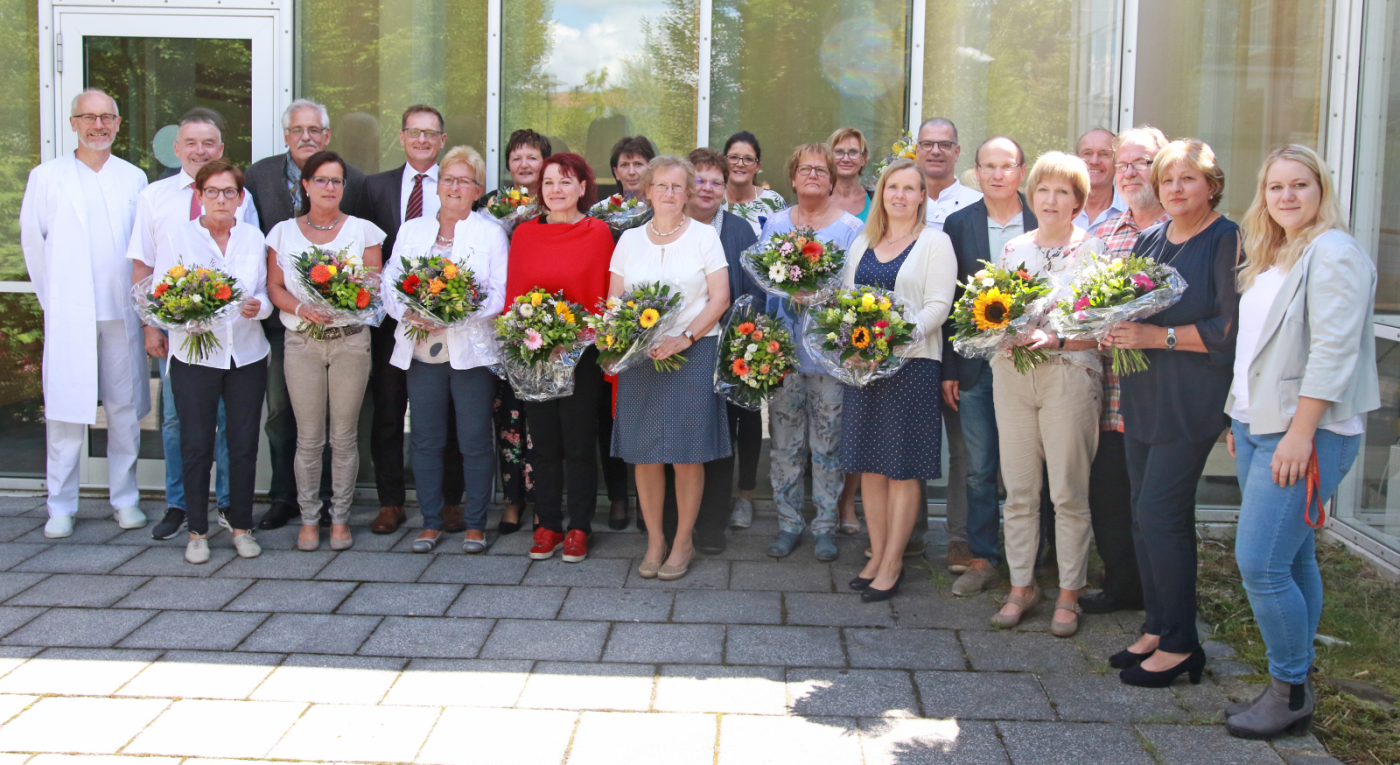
(1359, 607)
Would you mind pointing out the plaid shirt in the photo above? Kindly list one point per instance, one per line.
(1120, 235)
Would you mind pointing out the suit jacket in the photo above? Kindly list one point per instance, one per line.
(381, 204)
(266, 181)
(971, 243)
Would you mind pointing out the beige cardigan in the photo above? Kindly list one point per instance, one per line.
(926, 281)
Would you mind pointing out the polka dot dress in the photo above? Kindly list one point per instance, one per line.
(893, 426)
(674, 418)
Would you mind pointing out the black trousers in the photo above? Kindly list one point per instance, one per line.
(1164, 478)
(198, 390)
(1111, 512)
(614, 469)
(566, 430)
(388, 388)
(746, 431)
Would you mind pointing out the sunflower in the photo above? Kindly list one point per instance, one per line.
(860, 338)
(649, 317)
(991, 310)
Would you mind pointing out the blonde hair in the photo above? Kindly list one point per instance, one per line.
(468, 156)
(877, 223)
(1194, 154)
(662, 163)
(1057, 164)
(1265, 244)
(842, 134)
(821, 150)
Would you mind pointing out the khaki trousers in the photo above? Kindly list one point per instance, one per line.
(326, 382)
(1048, 416)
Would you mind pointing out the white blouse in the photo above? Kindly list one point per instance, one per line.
(686, 261)
(1058, 263)
(242, 339)
(355, 234)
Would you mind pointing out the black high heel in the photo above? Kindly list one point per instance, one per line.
(872, 595)
(615, 522)
(1125, 658)
(859, 583)
(1194, 664)
(506, 527)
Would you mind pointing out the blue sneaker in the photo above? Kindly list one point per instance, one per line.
(783, 544)
(825, 548)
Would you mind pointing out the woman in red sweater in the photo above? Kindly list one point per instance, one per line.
(564, 250)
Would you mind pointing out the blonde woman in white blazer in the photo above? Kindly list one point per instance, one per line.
(891, 429)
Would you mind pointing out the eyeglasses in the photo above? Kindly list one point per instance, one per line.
(849, 153)
(322, 181)
(944, 146)
(735, 159)
(88, 119)
(210, 192)
(813, 170)
(994, 169)
(451, 181)
(1140, 165)
(662, 188)
(701, 183)
(416, 133)
(313, 131)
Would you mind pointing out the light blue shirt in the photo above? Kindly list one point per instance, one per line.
(842, 233)
(998, 235)
(1118, 206)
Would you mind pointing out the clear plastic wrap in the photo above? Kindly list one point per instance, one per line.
(517, 216)
(545, 380)
(985, 346)
(826, 286)
(295, 281)
(198, 342)
(856, 372)
(643, 339)
(539, 340)
(727, 382)
(616, 212)
(1095, 323)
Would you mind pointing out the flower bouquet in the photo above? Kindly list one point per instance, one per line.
(860, 335)
(437, 292)
(904, 147)
(633, 323)
(995, 307)
(1105, 291)
(620, 212)
(509, 207)
(755, 354)
(334, 285)
(796, 265)
(541, 340)
(194, 301)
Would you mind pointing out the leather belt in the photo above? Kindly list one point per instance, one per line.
(335, 333)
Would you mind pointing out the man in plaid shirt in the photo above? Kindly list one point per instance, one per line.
(1110, 496)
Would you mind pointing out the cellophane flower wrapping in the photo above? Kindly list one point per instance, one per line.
(621, 213)
(628, 326)
(512, 206)
(756, 352)
(861, 334)
(796, 265)
(195, 301)
(997, 308)
(541, 338)
(1104, 291)
(438, 292)
(334, 285)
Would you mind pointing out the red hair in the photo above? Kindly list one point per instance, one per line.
(575, 167)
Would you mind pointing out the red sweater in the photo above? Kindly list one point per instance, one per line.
(555, 256)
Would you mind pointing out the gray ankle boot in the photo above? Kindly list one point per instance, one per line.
(1240, 707)
(1284, 708)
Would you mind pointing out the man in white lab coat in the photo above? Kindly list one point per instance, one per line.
(75, 223)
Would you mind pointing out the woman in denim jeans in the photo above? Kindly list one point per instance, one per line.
(1305, 377)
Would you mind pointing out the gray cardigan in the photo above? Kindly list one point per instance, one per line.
(1317, 339)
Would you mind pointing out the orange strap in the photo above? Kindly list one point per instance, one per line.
(1314, 480)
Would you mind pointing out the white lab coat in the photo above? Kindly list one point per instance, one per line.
(53, 235)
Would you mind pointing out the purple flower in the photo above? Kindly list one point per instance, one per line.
(796, 272)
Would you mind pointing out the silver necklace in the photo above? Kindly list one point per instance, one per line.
(324, 228)
(440, 238)
(651, 224)
(901, 236)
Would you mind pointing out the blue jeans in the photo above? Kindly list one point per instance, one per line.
(473, 394)
(1274, 547)
(170, 442)
(979, 431)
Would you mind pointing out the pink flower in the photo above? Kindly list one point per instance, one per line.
(1142, 281)
(1081, 303)
(533, 340)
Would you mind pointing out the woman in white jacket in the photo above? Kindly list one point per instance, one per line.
(891, 430)
(452, 364)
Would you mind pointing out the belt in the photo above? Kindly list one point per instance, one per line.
(335, 333)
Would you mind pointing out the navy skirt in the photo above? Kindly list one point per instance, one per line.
(674, 418)
(894, 426)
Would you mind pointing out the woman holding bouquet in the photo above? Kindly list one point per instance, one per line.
(1174, 412)
(890, 431)
(672, 417)
(327, 361)
(451, 364)
(1048, 417)
(564, 429)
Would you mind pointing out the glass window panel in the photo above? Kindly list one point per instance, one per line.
(1043, 72)
(586, 74)
(792, 71)
(1378, 511)
(368, 60)
(21, 387)
(19, 123)
(1376, 197)
(1241, 75)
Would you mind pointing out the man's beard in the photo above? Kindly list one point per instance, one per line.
(96, 144)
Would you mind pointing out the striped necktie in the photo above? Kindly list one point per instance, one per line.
(415, 199)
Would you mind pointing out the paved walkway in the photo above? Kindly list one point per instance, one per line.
(110, 644)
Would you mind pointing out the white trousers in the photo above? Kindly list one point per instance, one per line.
(115, 386)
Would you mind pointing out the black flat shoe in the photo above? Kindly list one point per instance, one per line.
(1125, 658)
(1103, 603)
(1194, 664)
(277, 516)
(859, 583)
(618, 522)
(509, 527)
(872, 595)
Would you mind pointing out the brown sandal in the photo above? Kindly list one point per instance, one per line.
(1066, 629)
(1001, 621)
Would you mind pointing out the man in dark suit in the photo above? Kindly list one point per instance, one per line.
(408, 191)
(274, 184)
(979, 232)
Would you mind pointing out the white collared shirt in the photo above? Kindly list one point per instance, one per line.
(166, 203)
(431, 203)
(952, 199)
(110, 273)
(1082, 219)
(246, 260)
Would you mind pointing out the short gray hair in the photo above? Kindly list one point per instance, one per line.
(939, 122)
(73, 108)
(304, 103)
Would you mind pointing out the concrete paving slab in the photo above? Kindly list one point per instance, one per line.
(311, 633)
(1192, 744)
(330, 679)
(183, 729)
(78, 627)
(836, 610)
(400, 599)
(75, 558)
(203, 675)
(489, 601)
(627, 605)
(459, 683)
(904, 649)
(702, 574)
(185, 594)
(546, 641)
(358, 566)
(476, 569)
(850, 693)
(749, 740)
(1048, 743)
(493, 737)
(983, 696)
(728, 690)
(785, 646)
(787, 576)
(598, 572)
(427, 637)
(195, 630)
(666, 643)
(170, 561)
(362, 734)
(1022, 652)
(1104, 698)
(571, 685)
(278, 564)
(607, 738)
(13, 584)
(109, 724)
(904, 741)
(728, 607)
(293, 597)
(77, 671)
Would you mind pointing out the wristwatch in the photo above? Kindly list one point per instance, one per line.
(689, 336)
(1060, 336)
(1171, 338)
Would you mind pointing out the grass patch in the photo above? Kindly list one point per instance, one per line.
(1360, 607)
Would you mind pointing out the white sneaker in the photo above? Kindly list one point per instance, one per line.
(59, 526)
(129, 517)
(246, 545)
(223, 520)
(197, 551)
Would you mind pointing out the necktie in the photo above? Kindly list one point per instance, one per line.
(195, 207)
(415, 199)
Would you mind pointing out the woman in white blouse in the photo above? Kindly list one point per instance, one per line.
(326, 375)
(234, 372)
(1050, 415)
(452, 365)
(672, 418)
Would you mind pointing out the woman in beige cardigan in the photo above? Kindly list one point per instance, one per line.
(891, 429)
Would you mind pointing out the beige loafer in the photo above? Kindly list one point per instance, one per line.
(1066, 629)
(1002, 621)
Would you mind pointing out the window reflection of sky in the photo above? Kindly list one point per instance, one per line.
(592, 34)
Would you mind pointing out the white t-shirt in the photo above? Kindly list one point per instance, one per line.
(1254, 309)
(686, 261)
(110, 281)
(288, 240)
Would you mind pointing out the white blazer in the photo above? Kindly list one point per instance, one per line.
(54, 237)
(478, 243)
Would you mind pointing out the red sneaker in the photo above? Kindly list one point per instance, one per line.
(575, 546)
(546, 542)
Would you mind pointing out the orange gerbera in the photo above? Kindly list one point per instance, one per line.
(746, 328)
(361, 299)
(741, 367)
(223, 292)
(860, 338)
(320, 274)
(161, 288)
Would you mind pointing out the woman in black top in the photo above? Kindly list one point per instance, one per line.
(1173, 413)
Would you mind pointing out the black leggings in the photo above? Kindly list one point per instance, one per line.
(198, 390)
(746, 429)
(566, 429)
